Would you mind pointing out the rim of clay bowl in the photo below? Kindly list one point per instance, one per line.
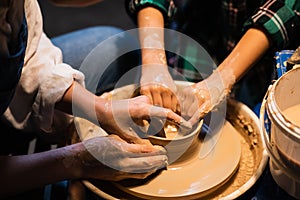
(195, 131)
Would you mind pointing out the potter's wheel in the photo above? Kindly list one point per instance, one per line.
(241, 151)
(251, 164)
(192, 176)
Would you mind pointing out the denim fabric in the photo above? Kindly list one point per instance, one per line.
(77, 45)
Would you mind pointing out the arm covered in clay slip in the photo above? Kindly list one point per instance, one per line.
(105, 158)
(252, 46)
(156, 81)
(114, 116)
(206, 94)
(263, 32)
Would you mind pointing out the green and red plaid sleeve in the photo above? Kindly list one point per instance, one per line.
(280, 19)
(167, 7)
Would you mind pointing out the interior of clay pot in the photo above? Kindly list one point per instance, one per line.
(176, 147)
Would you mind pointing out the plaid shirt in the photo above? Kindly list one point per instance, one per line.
(167, 7)
(219, 33)
(278, 18)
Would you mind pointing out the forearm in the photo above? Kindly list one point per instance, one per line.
(80, 102)
(151, 24)
(252, 46)
(247, 52)
(21, 173)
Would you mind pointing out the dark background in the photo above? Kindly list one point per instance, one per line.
(59, 20)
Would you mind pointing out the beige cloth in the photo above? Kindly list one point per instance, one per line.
(43, 82)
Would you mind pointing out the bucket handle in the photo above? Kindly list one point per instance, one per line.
(262, 119)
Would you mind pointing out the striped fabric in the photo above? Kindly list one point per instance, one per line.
(167, 7)
(280, 19)
(219, 25)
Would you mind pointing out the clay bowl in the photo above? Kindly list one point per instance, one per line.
(181, 141)
(176, 145)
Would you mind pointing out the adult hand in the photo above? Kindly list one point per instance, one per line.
(100, 157)
(11, 18)
(111, 158)
(122, 117)
(157, 83)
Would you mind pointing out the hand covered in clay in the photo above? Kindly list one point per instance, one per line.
(199, 99)
(122, 117)
(157, 83)
(111, 158)
(11, 18)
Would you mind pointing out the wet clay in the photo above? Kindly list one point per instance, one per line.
(292, 114)
(253, 158)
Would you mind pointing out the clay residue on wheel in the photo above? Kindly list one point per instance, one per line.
(251, 156)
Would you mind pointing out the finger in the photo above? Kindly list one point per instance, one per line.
(137, 140)
(157, 100)
(193, 120)
(147, 149)
(171, 117)
(167, 100)
(185, 102)
(192, 109)
(163, 113)
(174, 103)
(200, 113)
(168, 114)
(145, 164)
(127, 138)
(147, 93)
(193, 103)
(142, 141)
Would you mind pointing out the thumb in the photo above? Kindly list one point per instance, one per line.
(201, 112)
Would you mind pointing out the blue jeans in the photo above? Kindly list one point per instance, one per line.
(77, 45)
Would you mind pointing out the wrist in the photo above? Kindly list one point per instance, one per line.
(103, 107)
(222, 79)
(218, 84)
(72, 160)
(154, 56)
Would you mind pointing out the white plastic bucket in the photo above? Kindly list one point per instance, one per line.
(283, 140)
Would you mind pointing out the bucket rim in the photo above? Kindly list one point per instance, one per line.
(277, 116)
(282, 123)
(270, 148)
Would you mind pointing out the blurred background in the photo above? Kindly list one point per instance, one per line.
(59, 20)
